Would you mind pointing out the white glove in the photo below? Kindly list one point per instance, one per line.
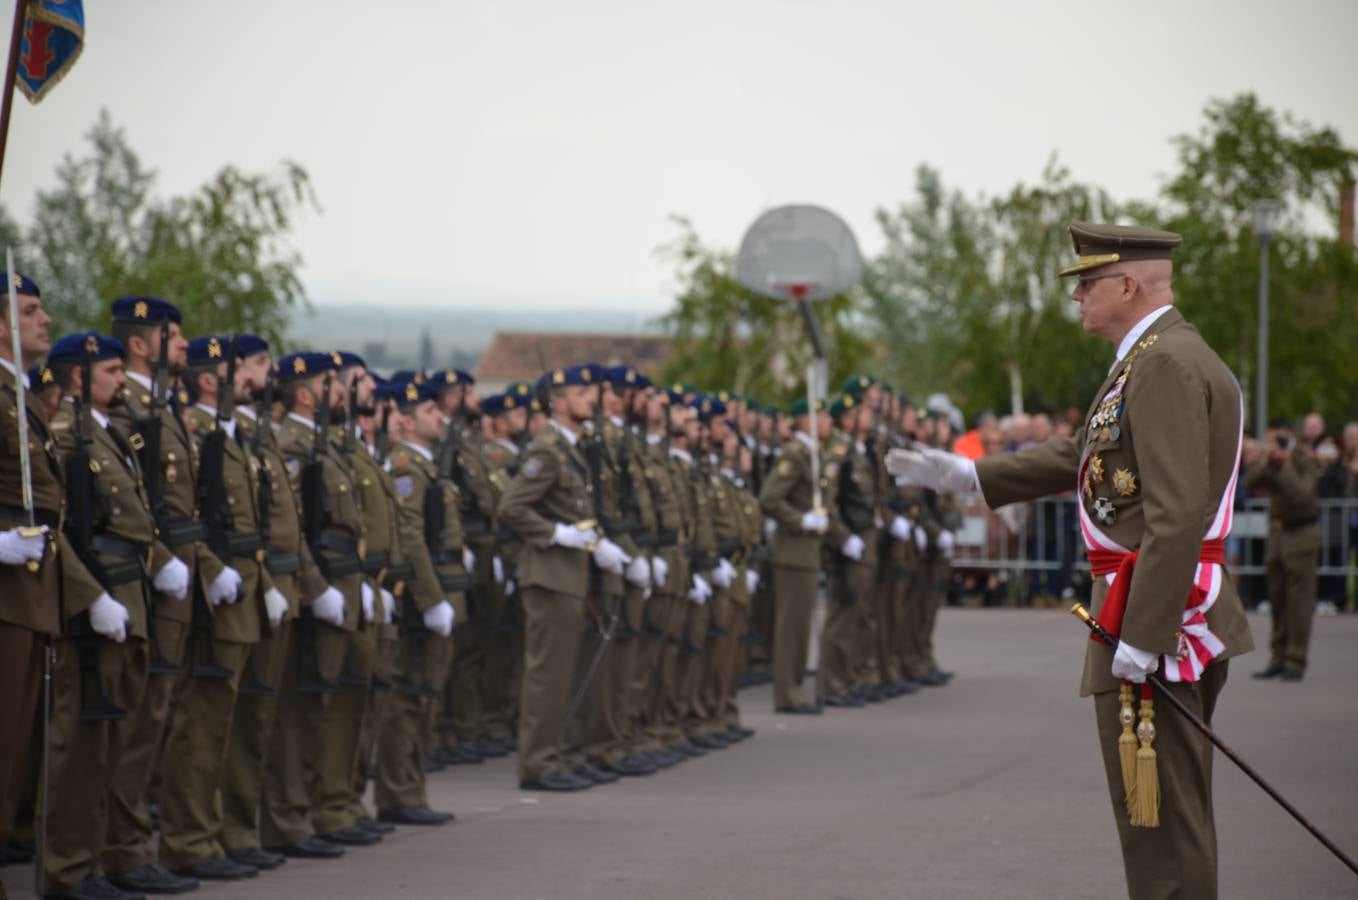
(1131, 664)
(610, 557)
(366, 596)
(639, 571)
(770, 526)
(921, 539)
(564, 535)
(388, 606)
(439, 618)
(109, 618)
(275, 606)
(901, 528)
(497, 568)
(660, 570)
(15, 549)
(853, 547)
(329, 607)
(727, 572)
(225, 588)
(940, 470)
(814, 521)
(720, 577)
(173, 579)
(510, 587)
(947, 543)
(700, 591)
(751, 580)
(468, 558)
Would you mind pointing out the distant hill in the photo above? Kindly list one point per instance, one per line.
(394, 337)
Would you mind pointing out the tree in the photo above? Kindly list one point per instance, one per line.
(220, 253)
(1246, 152)
(726, 336)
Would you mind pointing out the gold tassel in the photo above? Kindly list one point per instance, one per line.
(1127, 745)
(1145, 807)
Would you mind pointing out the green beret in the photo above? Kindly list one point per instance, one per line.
(843, 403)
(857, 385)
(798, 407)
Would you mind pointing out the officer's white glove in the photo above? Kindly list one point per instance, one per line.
(947, 543)
(921, 539)
(439, 618)
(770, 526)
(1131, 664)
(329, 607)
(109, 618)
(510, 587)
(225, 587)
(275, 606)
(497, 568)
(660, 570)
(814, 521)
(948, 473)
(366, 596)
(468, 558)
(610, 557)
(730, 570)
(901, 528)
(15, 549)
(719, 576)
(173, 580)
(853, 547)
(564, 535)
(639, 571)
(700, 591)
(388, 606)
(751, 580)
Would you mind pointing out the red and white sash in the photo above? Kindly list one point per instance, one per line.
(1198, 646)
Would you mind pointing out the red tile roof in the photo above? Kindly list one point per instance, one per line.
(514, 355)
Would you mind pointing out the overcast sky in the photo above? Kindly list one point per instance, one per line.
(474, 153)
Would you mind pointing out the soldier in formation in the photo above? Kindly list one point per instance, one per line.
(265, 586)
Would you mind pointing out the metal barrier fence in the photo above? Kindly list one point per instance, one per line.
(1039, 543)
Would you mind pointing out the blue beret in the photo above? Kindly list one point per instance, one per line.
(707, 408)
(404, 375)
(623, 376)
(23, 284)
(138, 310)
(304, 365)
(587, 375)
(498, 404)
(676, 397)
(408, 393)
(451, 378)
(40, 377)
(521, 389)
(205, 351)
(250, 344)
(348, 359)
(84, 345)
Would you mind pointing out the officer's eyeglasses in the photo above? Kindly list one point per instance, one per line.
(1088, 279)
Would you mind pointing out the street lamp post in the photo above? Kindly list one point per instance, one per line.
(1265, 225)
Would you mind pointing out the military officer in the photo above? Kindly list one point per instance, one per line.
(548, 506)
(317, 755)
(1155, 467)
(101, 662)
(255, 721)
(798, 539)
(426, 613)
(29, 612)
(1292, 477)
(150, 417)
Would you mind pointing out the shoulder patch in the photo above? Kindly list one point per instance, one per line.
(294, 467)
(405, 485)
(532, 467)
(786, 467)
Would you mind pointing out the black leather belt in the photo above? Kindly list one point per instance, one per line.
(455, 583)
(475, 525)
(703, 561)
(283, 563)
(760, 554)
(40, 516)
(131, 569)
(505, 535)
(178, 532)
(644, 539)
(245, 544)
(118, 548)
(398, 573)
(374, 563)
(730, 547)
(620, 527)
(337, 541)
(666, 537)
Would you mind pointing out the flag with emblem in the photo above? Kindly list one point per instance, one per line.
(53, 36)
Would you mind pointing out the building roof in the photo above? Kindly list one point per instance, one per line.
(514, 355)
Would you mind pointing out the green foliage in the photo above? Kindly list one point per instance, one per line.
(726, 336)
(219, 253)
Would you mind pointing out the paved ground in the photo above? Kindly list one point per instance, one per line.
(991, 787)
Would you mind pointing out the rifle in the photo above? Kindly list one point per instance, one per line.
(217, 517)
(251, 684)
(95, 705)
(315, 515)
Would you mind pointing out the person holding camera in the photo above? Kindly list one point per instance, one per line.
(1291, 476)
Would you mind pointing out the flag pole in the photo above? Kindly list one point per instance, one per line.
(11, 72)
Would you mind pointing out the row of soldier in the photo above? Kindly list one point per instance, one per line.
(260, 587)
